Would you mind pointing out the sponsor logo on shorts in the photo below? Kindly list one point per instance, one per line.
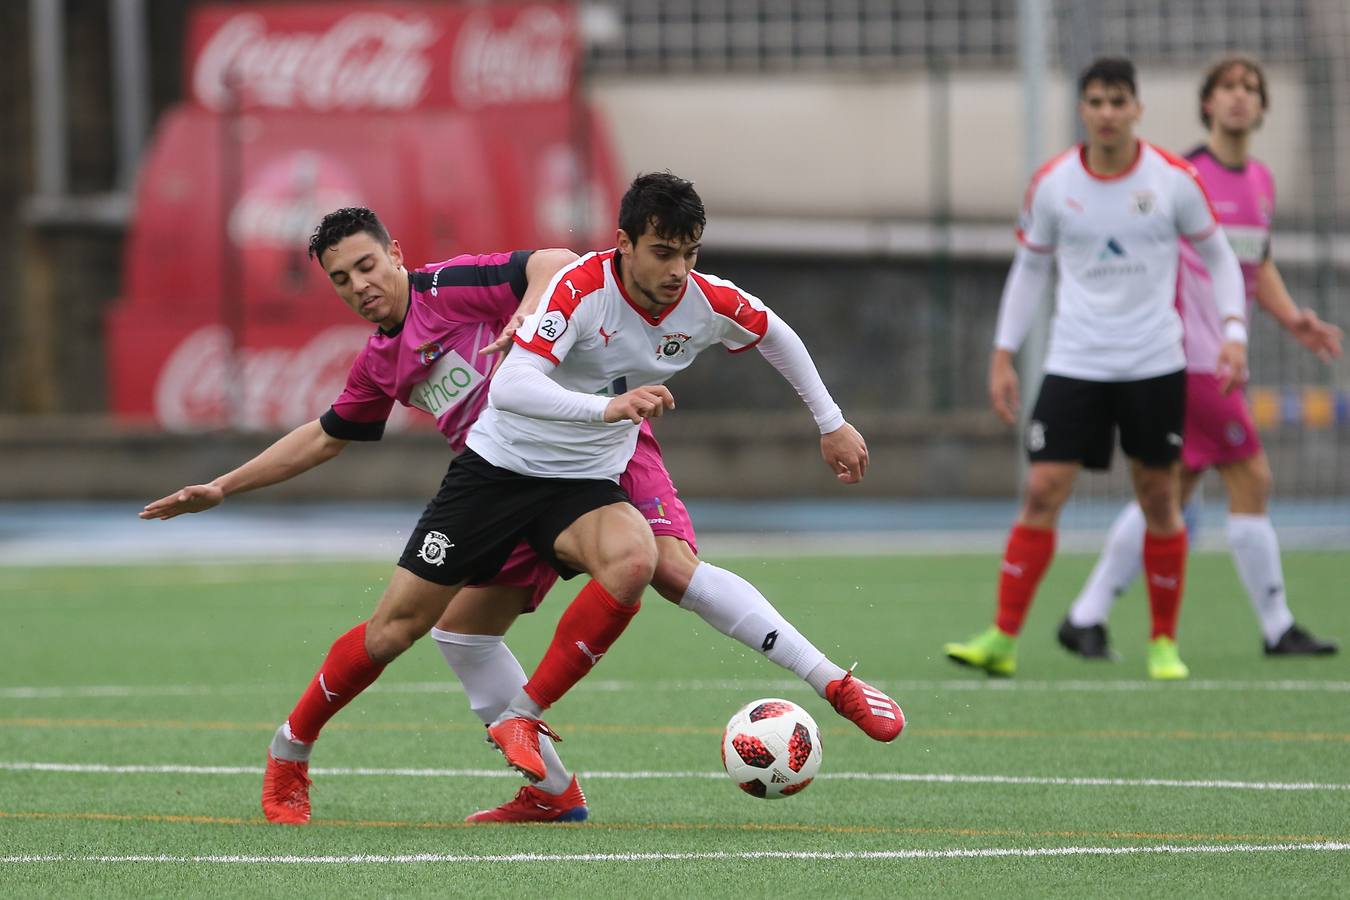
(1174, 439)
(1235, 434)
(1035, 436)
(433, 549)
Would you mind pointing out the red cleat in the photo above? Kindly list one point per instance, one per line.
(518, 740)
(533, 805)
(877, 715)
(285, 794)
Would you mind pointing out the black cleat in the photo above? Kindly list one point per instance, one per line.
(1297, 642)
(1089, 642)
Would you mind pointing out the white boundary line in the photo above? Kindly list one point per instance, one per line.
(922, 778)
(448, 686)
(811, 855)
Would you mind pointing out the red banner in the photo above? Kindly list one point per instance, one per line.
(389, 57)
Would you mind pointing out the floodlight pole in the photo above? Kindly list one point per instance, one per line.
(1033, 22)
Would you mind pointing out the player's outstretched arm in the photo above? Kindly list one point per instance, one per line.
(539, 272)
(301, 450)
(1321, 338)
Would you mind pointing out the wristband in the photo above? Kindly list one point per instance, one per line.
(1235, 330)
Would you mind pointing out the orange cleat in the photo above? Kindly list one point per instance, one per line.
(285, 794)
(533, 805)
(518, 740)
(877, 715)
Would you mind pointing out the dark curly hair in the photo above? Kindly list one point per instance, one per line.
(666, 202)
(345, 222)
(1111, 71)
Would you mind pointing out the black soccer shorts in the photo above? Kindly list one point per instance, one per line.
(481, 513)
(1075, 420)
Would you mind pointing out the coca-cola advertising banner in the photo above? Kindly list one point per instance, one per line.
(461, 126)
(390, 57)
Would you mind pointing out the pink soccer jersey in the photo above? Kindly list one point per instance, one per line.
(1245, 201)
(431, 361)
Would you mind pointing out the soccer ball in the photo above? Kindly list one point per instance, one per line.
(771, 748)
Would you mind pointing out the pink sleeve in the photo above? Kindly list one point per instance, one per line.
(360, 411)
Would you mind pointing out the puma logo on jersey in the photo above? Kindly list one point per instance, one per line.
(739, 306)
(575, 293)
(606, 334)
(593, 657)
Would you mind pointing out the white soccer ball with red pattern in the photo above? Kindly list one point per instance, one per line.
(771, 748)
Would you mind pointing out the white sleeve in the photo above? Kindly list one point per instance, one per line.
(1022, 295)
(1230, 293)
(1195, 217)
(522, 386)
(784, 350)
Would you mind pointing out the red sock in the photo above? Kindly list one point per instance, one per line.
(1165, 568)
(347, 671)
(1024, 562)
(585, 632)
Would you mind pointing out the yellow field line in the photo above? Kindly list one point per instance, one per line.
(915, 733)
(692, 826)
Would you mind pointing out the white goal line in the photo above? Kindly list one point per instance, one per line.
(449, 686)
(808, 855)
(908, 777)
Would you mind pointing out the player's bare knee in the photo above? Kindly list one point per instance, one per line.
(628, 569)
(675, 565)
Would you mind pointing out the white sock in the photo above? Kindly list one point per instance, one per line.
(735, 607)
(1256, 554)
(491, 676)
(1120, 562)
(285, 746)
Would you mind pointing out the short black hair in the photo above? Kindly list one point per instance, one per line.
(666, 202)
(345, 222)
(1110, 71)
(1220, 68)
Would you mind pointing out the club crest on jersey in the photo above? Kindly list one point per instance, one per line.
(672, 345)
(429, 352)
(1144, 202)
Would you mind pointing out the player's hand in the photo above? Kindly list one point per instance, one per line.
(503, 340)
(845, 452)
(646, 402)
(1232, 367)
(191, 499)
(1004, 393)
(1322, 338)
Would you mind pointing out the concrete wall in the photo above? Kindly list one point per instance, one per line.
(863, 146)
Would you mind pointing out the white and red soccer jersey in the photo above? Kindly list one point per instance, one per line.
(1245, 201)
(1116, 243)
(603, 343)
(431, 361)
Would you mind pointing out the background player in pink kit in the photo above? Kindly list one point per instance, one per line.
(1109, 213)
(1219, 430)
(460, 306)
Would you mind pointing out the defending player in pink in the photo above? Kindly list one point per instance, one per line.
(1219, 431)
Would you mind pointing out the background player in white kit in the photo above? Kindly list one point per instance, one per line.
(1109, 213)
(1219, 428)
